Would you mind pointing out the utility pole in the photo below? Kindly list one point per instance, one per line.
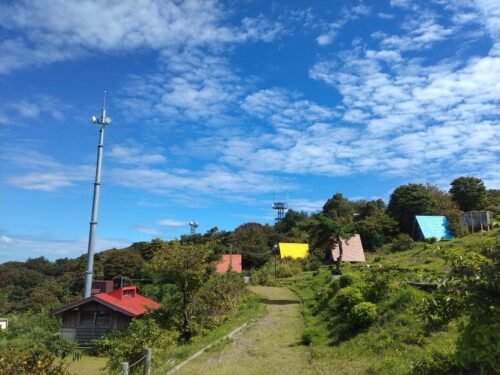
(102, 122)
(275, 248)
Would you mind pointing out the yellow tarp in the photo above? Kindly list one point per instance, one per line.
(294, 250)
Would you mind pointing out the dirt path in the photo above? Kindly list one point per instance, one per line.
(269, 346)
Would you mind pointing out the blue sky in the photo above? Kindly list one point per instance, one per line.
(218, 106)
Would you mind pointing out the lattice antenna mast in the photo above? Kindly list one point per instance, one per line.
(280, 207)
(193, 225)
(102, 121)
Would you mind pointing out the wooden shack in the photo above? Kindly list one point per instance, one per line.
(91, 317)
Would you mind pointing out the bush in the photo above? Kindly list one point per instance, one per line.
(346, 280)
(310, 335)
(378, 283)
(37, 333)
(220, 297)
(431, 240)
(262, 276)
(346, 299)
(402, 242)
(436, 364)
(128, 345)
(14, 362)
(362, 315)
(283, 270)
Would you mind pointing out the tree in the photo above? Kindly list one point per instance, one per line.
(469, 193)
(409, 200)
(338, 207)
(326, 232)
(186, 267)
(149, 249)
(376, 229)
(289, 229)
(117, 263)
(255, 241)
(444, 205)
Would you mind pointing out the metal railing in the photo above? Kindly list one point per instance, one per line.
(146, 358)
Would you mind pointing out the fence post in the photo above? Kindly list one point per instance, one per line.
(124, 366)
(147, 362)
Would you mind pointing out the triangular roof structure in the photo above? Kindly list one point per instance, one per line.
(293, 250)
(125, 300)
(352, 250)
(433, 226)
(227, 261)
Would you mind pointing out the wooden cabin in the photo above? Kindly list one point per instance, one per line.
(110, 311)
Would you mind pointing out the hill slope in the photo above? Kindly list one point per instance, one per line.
(429, 310)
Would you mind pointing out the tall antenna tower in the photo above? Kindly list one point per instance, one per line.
(193, 225)
(102, 122)
(280, 207)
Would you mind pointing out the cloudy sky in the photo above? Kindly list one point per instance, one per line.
(219, 106)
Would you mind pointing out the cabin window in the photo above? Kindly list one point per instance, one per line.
(127, 293)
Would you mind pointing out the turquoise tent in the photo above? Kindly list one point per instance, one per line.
(432, 226)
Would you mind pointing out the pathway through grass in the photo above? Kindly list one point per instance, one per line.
(269, 346)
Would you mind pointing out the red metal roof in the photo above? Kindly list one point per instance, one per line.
(125, 300)
(128, 299)
(352, 250)
(229, 259)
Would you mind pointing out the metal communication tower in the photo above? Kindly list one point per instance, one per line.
(280, 207)
(102, 122)
(193, 225)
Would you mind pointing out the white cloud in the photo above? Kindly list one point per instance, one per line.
(172, 223)
(306, 205)
(146, 230)
(347, 14)
(194, 85)
(42, 172)
(134, 155)
(57, 30)
(285, 108)
(444, 116)
(33, 107)
(6, 240)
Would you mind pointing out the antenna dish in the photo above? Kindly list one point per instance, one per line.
(95, 120)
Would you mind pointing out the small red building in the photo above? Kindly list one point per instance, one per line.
(106, 310)
(229, 261)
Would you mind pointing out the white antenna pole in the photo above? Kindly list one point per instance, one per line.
(102, 121)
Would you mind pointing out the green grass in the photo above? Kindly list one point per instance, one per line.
(398, 338)
(87, 365)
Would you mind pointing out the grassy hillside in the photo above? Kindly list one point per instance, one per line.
(431, 309)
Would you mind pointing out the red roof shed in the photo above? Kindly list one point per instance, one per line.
(232, 261)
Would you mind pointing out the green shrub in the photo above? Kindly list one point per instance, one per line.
(15, 362)
(431, 240)
(262, 276)
(128, 345)
(378, 283)
(346, 299)
(310, 335)
(36, 332)
(283, 270)
(362, 315)
(346, 280)
(478, 347)
(402, 242)
(436, 364)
